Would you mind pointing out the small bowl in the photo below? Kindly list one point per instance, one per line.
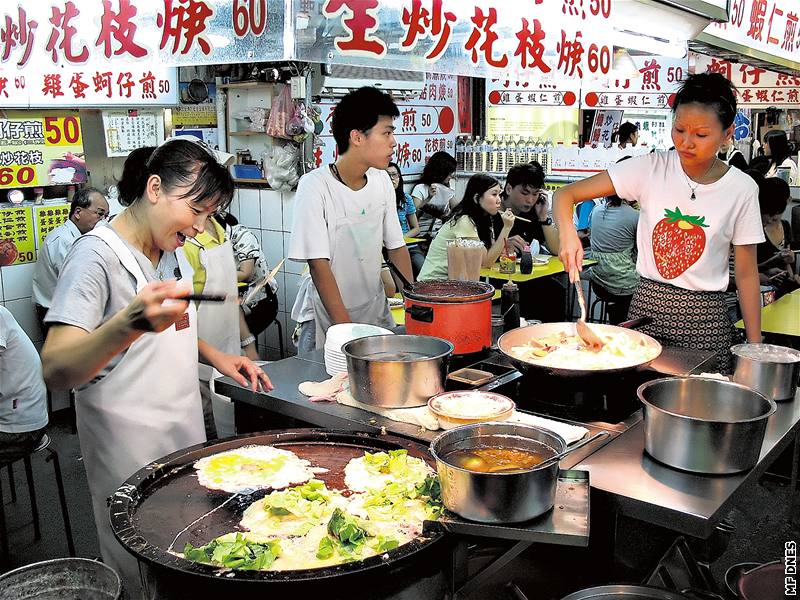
(734, 573)
(467, 407)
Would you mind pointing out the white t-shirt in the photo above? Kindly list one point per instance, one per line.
(323, 202)
(440, 200)
(23, 396)
(50, 260)
(690, 253)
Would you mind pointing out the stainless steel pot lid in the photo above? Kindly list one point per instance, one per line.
(624, 592)
(448, 290)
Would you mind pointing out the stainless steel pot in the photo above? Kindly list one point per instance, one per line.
(63, 578)
(497, 497)
(624, 592)
(766, 368)
(704, 425)
(397, 371)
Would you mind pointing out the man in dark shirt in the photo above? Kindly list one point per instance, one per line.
(524, 195)
(542, 298)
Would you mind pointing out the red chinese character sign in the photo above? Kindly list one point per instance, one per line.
(650, 82)
(426, 125)
(38, 149)
(570, 38)
(768, 27)
(755, 86)
(106, 52)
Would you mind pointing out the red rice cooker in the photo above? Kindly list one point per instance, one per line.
(457, 311)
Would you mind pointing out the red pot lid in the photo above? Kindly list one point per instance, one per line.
(448, 290)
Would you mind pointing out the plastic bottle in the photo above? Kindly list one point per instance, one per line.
(482, 164)
(469, 155)
(494, 156)
(526, 261)
(460, 156)
(512, 153)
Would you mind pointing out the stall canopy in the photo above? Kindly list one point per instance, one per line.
(484, 38)
(761, 33)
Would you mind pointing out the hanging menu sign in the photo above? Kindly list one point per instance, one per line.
(766, 28)
(40, 149)
(17, 244)
(652, 83)
(425, 125)
(755, 86)
(48, 218)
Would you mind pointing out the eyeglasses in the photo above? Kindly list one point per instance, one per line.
(102, 214)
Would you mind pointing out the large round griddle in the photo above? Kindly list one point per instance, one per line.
(158, 502)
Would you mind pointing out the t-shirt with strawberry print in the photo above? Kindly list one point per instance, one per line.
(682, 241)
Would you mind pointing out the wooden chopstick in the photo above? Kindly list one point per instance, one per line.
(523, 219)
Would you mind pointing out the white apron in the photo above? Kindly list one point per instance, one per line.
(356, 265)
(146, 407)
(218, 325)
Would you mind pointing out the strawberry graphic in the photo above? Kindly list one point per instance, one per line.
(678, 242)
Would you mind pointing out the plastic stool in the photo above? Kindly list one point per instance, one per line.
(52, 456)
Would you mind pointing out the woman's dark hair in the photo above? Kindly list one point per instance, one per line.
(439, 166)
(778, 146)
(713, 90)
(134, 175)
(773, 195)
(760, 165)
(178, 162)
(613, 200)
(625, 132)
(399, 192)
(360, 110)
(469, 206)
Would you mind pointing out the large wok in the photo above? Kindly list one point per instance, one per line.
(520, 336)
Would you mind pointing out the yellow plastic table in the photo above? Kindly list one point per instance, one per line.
(781, 317)
(413, 240)
(553, 267)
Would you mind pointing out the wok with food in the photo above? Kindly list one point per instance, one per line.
(556, 347)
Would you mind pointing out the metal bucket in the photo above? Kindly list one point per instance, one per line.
(766, 368)
(704, 425)
(397, 371)
(62, 579)
(497, 497)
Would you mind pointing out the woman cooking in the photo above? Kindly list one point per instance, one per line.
(121, 335)
(693, 208)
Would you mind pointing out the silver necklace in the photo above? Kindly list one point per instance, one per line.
(688, 180)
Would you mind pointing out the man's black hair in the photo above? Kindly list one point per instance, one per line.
(360, 110)
(528, 174)
(82, 199)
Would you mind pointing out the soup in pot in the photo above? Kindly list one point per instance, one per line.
(499, 459)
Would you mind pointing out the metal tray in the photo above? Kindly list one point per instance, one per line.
(567, 524)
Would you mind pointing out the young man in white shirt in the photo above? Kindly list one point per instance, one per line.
(345, 215)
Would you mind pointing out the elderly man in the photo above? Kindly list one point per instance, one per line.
(88, 208)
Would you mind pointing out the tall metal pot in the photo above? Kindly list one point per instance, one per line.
(766, 368)
(704, 425)
(497, 497)
(397, 371)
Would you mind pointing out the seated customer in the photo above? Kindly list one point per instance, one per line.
(524, 196)
(775, 258)
(614, 277)
(407, 213)
(23, 396)
(471, 219)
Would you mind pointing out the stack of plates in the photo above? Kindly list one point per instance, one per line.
(338, 335)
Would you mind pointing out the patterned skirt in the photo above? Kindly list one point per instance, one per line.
(685, 318)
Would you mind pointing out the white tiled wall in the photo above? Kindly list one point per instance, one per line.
(269, 215)
(15, 295)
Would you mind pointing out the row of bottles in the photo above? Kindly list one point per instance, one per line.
(498, 155)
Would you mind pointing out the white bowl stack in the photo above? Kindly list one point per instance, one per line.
(338, 335)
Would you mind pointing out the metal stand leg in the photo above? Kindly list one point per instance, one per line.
(481, 577)
(11, 483)
(72, 416)
(37, 533)
(280, 338)
(53, 457)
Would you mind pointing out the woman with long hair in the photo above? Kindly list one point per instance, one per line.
(694, 208)
(776, 146)
(432, 195)
(628, 133)
(471, 219)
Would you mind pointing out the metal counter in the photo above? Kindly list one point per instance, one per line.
(642, 488)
